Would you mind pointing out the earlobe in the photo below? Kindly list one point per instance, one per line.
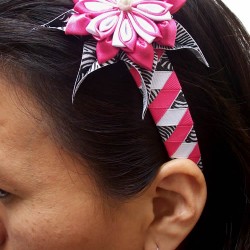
(179, 198)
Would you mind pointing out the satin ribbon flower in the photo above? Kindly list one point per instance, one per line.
(129, 25)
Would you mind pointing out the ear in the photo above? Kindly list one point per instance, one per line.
(178, 198)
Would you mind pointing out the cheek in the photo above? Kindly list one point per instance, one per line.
(61, 227)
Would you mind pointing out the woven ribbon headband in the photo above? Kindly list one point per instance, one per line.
(140, 33)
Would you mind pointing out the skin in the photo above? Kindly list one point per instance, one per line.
(48, 199)
(53, 202)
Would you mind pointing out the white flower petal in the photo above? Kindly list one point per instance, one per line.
(98, 6)
(116, 42)
(146, 26)
(126, 31)
(92, 26)
(165, 16)
(108, 23)
(155, 8)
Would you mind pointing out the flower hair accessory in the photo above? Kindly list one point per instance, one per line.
(139, 32)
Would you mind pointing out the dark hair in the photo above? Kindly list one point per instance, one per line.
(104, 126)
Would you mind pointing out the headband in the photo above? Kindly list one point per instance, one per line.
(140, 33)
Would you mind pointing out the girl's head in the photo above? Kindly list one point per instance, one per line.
(93, 174)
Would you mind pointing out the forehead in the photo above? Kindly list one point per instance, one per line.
(21, 129)
(20, 121)
(27, 150)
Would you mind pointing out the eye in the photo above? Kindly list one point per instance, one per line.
(3, 194)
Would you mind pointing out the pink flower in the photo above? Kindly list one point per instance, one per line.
(130, 25)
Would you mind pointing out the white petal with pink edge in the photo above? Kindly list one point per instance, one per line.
(165, 16)
(93, 28)
(145, 28)
(151, 8)
(116, 41)
(126, 31)
(108, 23)
(98, 6)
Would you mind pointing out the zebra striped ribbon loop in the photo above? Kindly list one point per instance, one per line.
(159, 85)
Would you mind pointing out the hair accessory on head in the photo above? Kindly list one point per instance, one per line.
(139, 32)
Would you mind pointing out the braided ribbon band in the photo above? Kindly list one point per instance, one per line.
(169, 109)
(159, 85)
